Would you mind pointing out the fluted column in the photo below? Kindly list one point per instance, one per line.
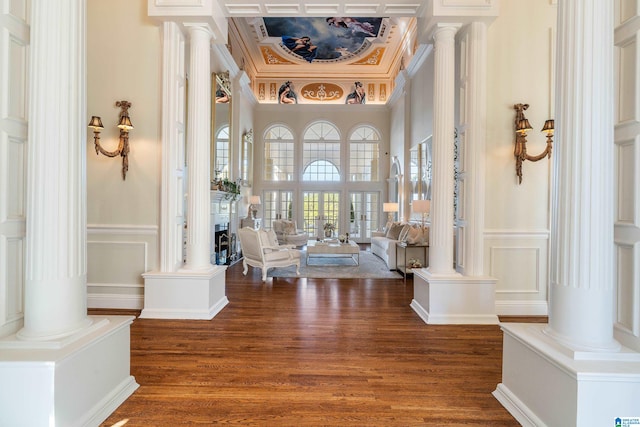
(198, 149)
(582, 274)
(55, 273)
(441, 231)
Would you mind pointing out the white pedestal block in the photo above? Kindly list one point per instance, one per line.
(454, 299)
(185, 294)
(547, 384)
(74, 381)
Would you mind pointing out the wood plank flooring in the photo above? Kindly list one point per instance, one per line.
(313, 352)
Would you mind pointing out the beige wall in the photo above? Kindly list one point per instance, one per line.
(517, 217)
(123, 63)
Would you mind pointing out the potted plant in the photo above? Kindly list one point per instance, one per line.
(329, 228)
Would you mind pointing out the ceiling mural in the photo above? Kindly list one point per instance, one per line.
(324, 39)
(323, 56)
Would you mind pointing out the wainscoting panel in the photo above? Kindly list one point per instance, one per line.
(117, 256)
(627, 173)
(519, 260)
(14, 44)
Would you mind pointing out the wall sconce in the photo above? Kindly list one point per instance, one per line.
(390, 208)
(124, 123)
(254, 202)
(522, 127)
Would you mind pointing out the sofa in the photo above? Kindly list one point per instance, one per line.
(383, 244)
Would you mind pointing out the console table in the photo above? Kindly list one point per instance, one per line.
(406, 252)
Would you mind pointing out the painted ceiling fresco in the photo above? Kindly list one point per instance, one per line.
(320, 39)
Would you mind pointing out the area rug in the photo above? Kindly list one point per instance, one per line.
(371, 267)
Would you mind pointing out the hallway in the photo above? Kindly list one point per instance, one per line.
(313, 352)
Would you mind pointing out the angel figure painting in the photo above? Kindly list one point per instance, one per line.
(317, 39)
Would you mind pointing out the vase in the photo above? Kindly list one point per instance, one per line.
(327, 233)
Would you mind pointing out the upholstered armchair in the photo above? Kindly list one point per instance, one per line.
(288, 233)
(260, 249)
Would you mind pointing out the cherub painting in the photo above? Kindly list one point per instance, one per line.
(286, 94)
(316, 39)
(358, 96)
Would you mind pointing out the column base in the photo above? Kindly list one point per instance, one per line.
(547, 384)
(454, 299)
(199, 294)
(74, 381)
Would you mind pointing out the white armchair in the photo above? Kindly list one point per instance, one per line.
(260, 249)
(288, 233)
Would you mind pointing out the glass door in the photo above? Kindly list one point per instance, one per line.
(363, 215)
(320, 208)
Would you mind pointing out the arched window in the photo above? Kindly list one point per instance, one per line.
(364, 154)
(321, 153)
(278, 154)
(222, 153)
(321, 170)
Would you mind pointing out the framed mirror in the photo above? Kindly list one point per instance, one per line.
(246, 166)
(220, 127)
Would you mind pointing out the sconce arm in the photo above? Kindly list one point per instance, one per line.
(114, 153)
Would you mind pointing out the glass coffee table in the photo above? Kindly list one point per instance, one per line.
(333, 249)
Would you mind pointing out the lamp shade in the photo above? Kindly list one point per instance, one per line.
(421, 206)
(125, 123)
(548, 126)
(523, 126)
(254, 200)
(96, 122)
(390, 207)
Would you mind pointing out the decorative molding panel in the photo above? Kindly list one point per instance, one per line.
(516, 268)
(627, 307)
(116, 261)
(626, 161)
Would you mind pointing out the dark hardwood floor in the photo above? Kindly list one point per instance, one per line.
(313, 352)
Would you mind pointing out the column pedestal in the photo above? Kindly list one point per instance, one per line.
(546, 384)
(454, 299)
(77, 380)
(184, 294)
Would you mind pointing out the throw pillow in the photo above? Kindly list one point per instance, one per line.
(289, 227)
(394, 231)
(415, 236)
(405, 231)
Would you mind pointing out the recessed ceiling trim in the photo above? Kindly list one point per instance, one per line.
(323, 9)
(282, 9)
(244, 9)
(362, 9)
(402, 9)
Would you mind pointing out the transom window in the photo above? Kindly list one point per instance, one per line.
(364, 154)
(279, 154)
(320, 155)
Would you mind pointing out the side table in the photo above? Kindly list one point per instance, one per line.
(406, 252)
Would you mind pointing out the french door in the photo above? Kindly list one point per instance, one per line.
(363, 214)
(320, 208)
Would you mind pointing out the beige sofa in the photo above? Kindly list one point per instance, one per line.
(383, 244)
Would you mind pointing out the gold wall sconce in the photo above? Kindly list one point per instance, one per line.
(124, 123)
(522, 127)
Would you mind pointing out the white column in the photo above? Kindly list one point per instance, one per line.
(475, 137)
(198, 149)
(55, 285)
(582, 274)
(441, 231)
(173, 143)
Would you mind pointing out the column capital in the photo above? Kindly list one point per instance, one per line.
(444, 30)
(196, 27)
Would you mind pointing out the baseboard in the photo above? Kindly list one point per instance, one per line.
(522, 308)
(516, 408)
(115, 301)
